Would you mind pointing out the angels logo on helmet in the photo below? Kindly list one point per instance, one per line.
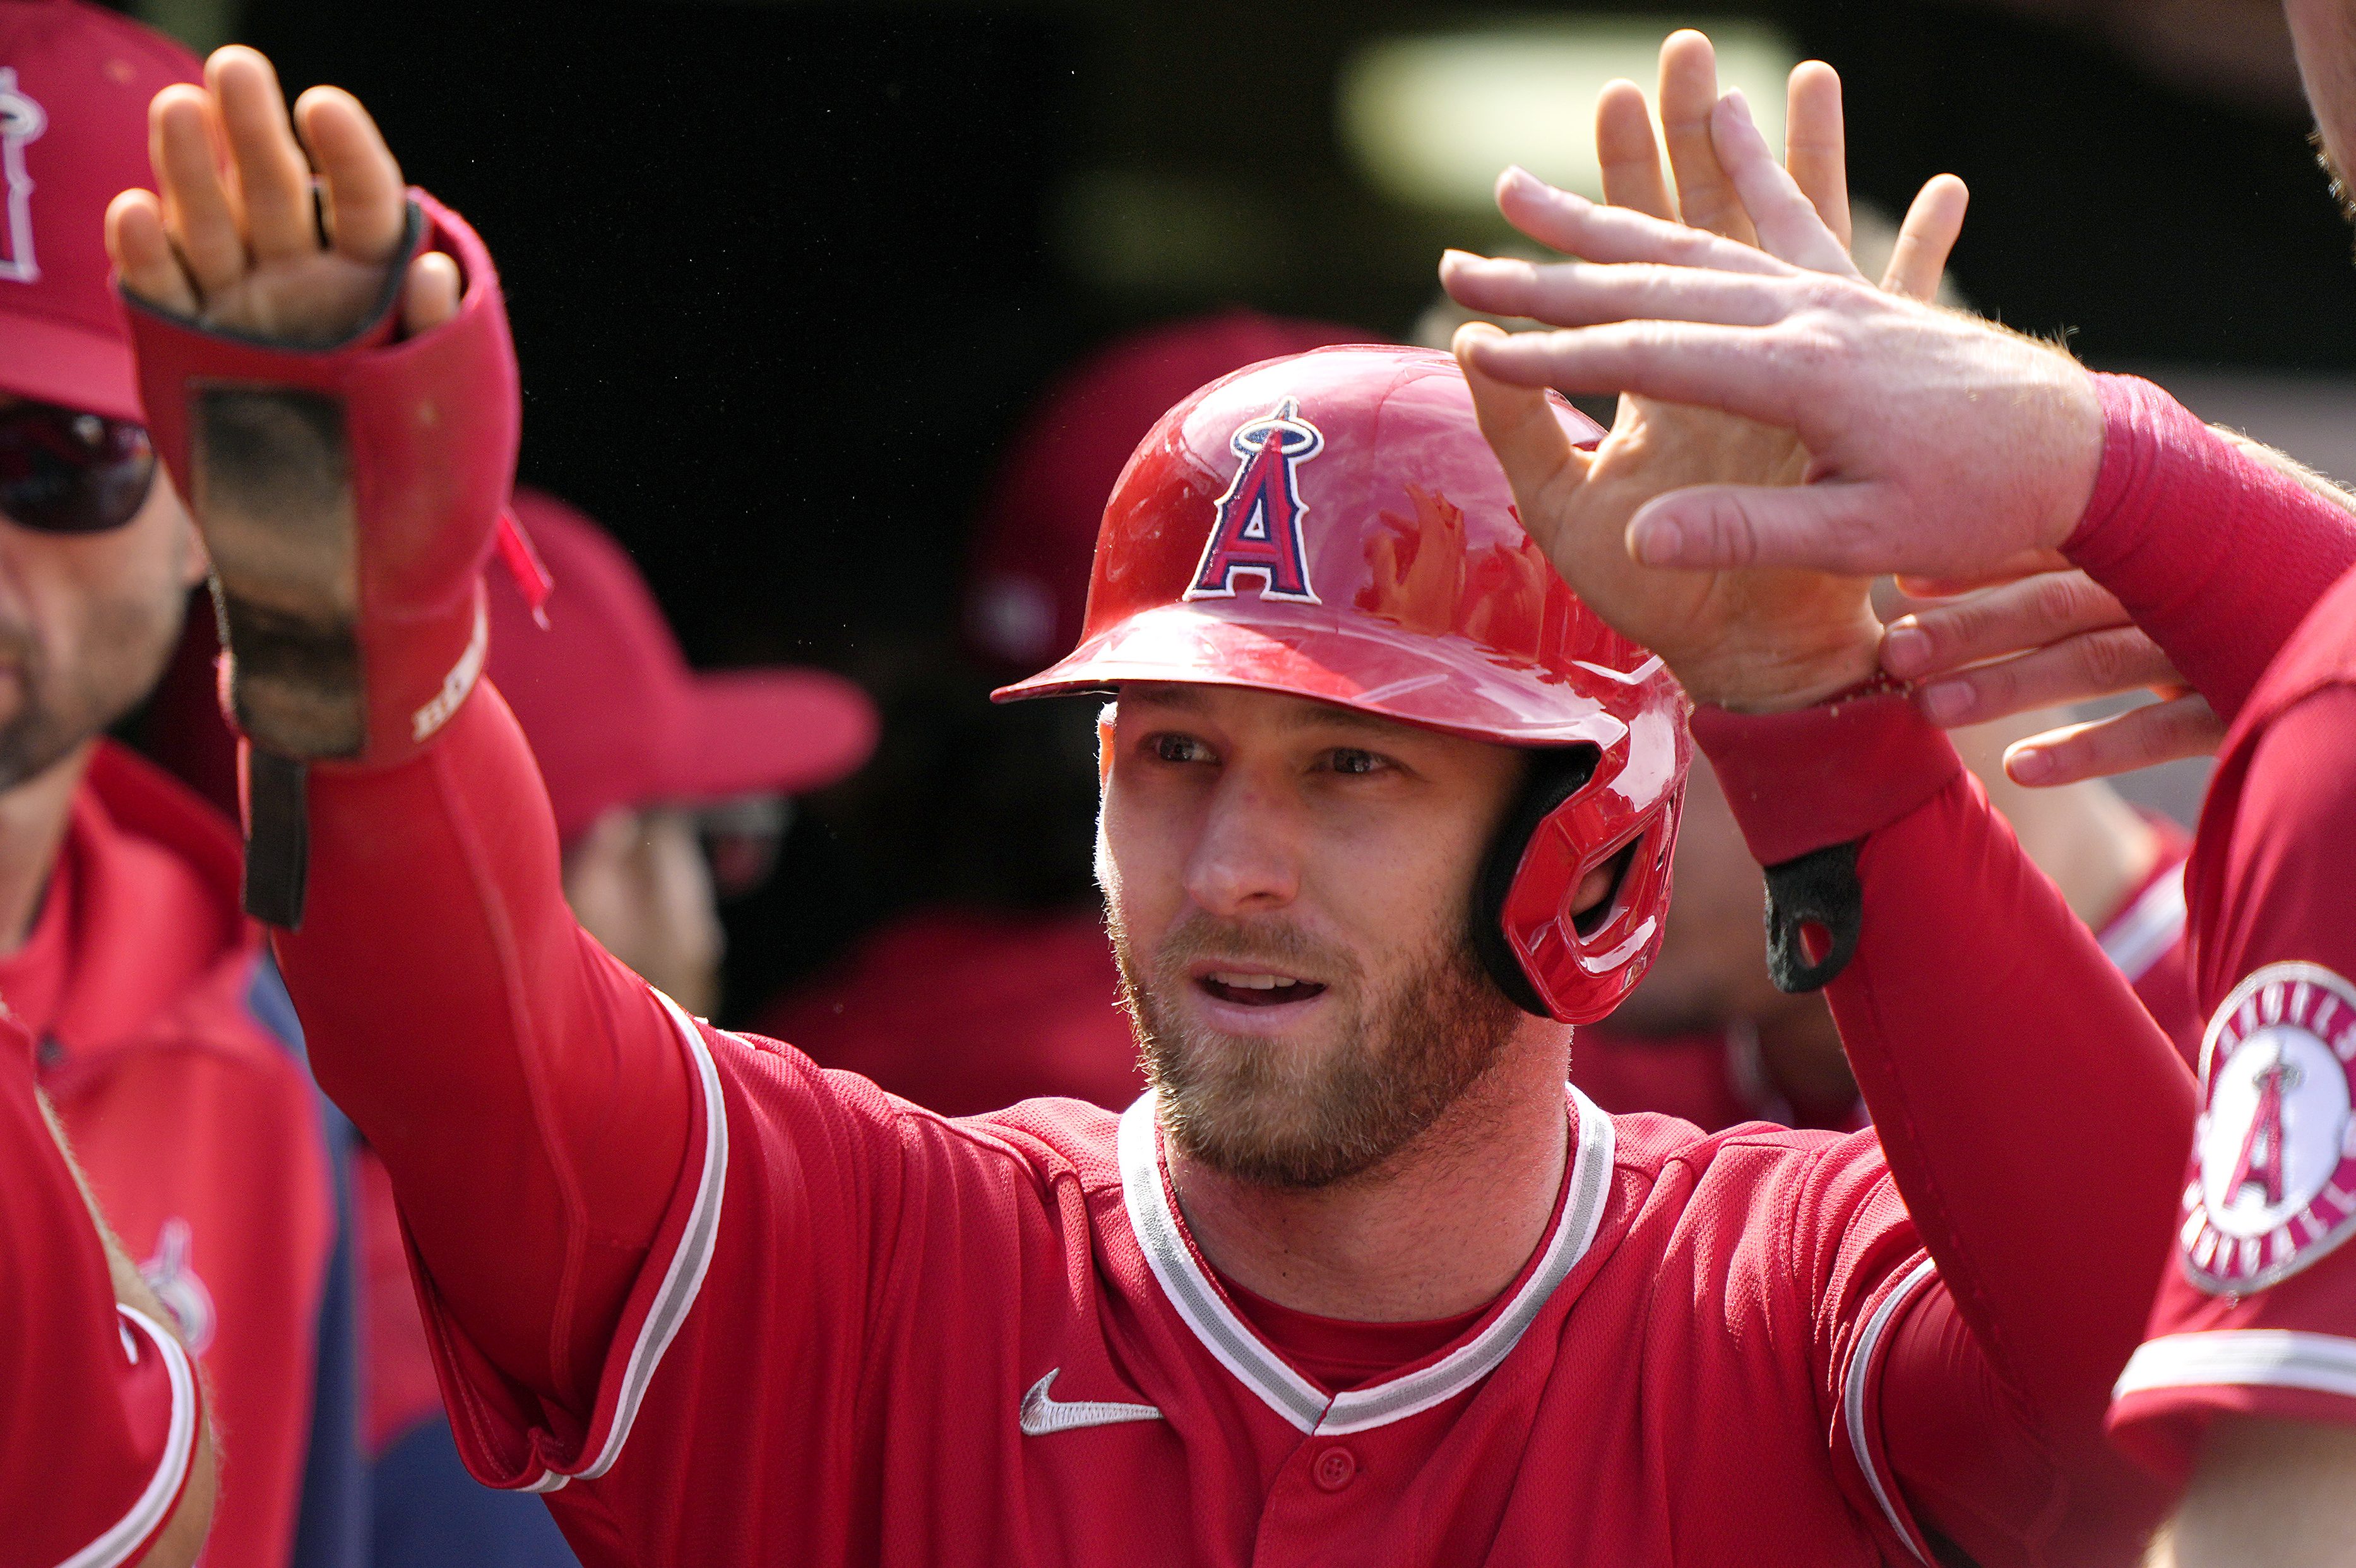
(1258, 526)
(21, 120)
(2274, 1141)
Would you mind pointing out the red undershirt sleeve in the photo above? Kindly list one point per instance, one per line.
(2216, 555)
(2033, 1116)
(528, 1096)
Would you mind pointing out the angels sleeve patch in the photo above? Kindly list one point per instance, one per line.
(2274, 1150)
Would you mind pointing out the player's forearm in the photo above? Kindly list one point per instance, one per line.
(2034, 1116)
(2018, 1085)
(2217, 546)
(527, 1093)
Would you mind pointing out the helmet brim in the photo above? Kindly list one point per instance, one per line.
(1440, 682)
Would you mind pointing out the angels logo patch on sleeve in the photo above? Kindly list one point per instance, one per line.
(2274, 1150)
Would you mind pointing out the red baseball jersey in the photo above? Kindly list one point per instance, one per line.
(2259, 1315)
(99, 1423)
(2245, 577)
(1093, 1372)
(733, 1308)
(197, 1129)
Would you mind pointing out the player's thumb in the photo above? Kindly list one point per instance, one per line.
(1821, 527)
(1518, 421)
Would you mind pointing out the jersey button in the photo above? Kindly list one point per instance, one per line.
(1334, 1468)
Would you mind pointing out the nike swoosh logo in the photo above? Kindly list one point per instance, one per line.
(1042, 1413)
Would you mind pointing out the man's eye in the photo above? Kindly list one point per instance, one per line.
(1349, 760)
(1178, 749)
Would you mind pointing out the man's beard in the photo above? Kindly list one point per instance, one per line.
(1306, 1115)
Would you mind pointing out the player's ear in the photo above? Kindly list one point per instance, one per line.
(1105, 717)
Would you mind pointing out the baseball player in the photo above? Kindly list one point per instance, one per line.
(105, 1451)
(162, 1035)
(1951, 450)
(1022, 999)
(1386, 809)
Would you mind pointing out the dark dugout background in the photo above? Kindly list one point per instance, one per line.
(784, 277)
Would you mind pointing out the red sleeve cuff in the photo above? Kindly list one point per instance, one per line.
(1799, 782)
(2217, 556)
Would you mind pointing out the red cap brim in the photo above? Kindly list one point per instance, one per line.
(771, 731)
(1442, 683)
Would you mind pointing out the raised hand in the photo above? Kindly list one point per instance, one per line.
(1747, 639)
(252, 230)
(1938, 443)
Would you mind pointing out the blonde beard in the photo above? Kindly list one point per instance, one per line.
(1281, 1115)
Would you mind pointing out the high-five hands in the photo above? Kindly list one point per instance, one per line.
(1730, 500)
(1938, 443)
(1749, 638)
(250, 230)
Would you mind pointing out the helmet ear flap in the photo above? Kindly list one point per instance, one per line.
(1556, 774)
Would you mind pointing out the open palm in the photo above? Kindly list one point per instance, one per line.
(1745, 638)
(260, 243)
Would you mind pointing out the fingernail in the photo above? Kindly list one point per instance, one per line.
(1739, 104)
(1945, 702)
(2027, 764)
(1905, 646)
(1661, 541)
(1520, 179)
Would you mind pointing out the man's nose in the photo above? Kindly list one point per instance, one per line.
(1246, 859)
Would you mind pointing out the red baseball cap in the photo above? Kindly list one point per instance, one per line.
(1028, 585)
(75, 80)
(612, 711)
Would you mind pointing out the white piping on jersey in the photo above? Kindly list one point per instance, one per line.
(689, 1262)
(2149, 927)
(1854, 1379)
(131, 1532)
(1286, 1391)
(2243, 1358)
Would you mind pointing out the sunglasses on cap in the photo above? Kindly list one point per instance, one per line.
(66, 472)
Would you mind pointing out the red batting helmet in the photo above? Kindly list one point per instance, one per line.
(1333, 525)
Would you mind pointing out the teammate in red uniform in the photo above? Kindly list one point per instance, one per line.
(106, 1454)
(2254, 1331)
(1386, 807)
(157, 1018)
(1952, 449)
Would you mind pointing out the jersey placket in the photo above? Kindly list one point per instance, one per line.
(1355, 1440)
